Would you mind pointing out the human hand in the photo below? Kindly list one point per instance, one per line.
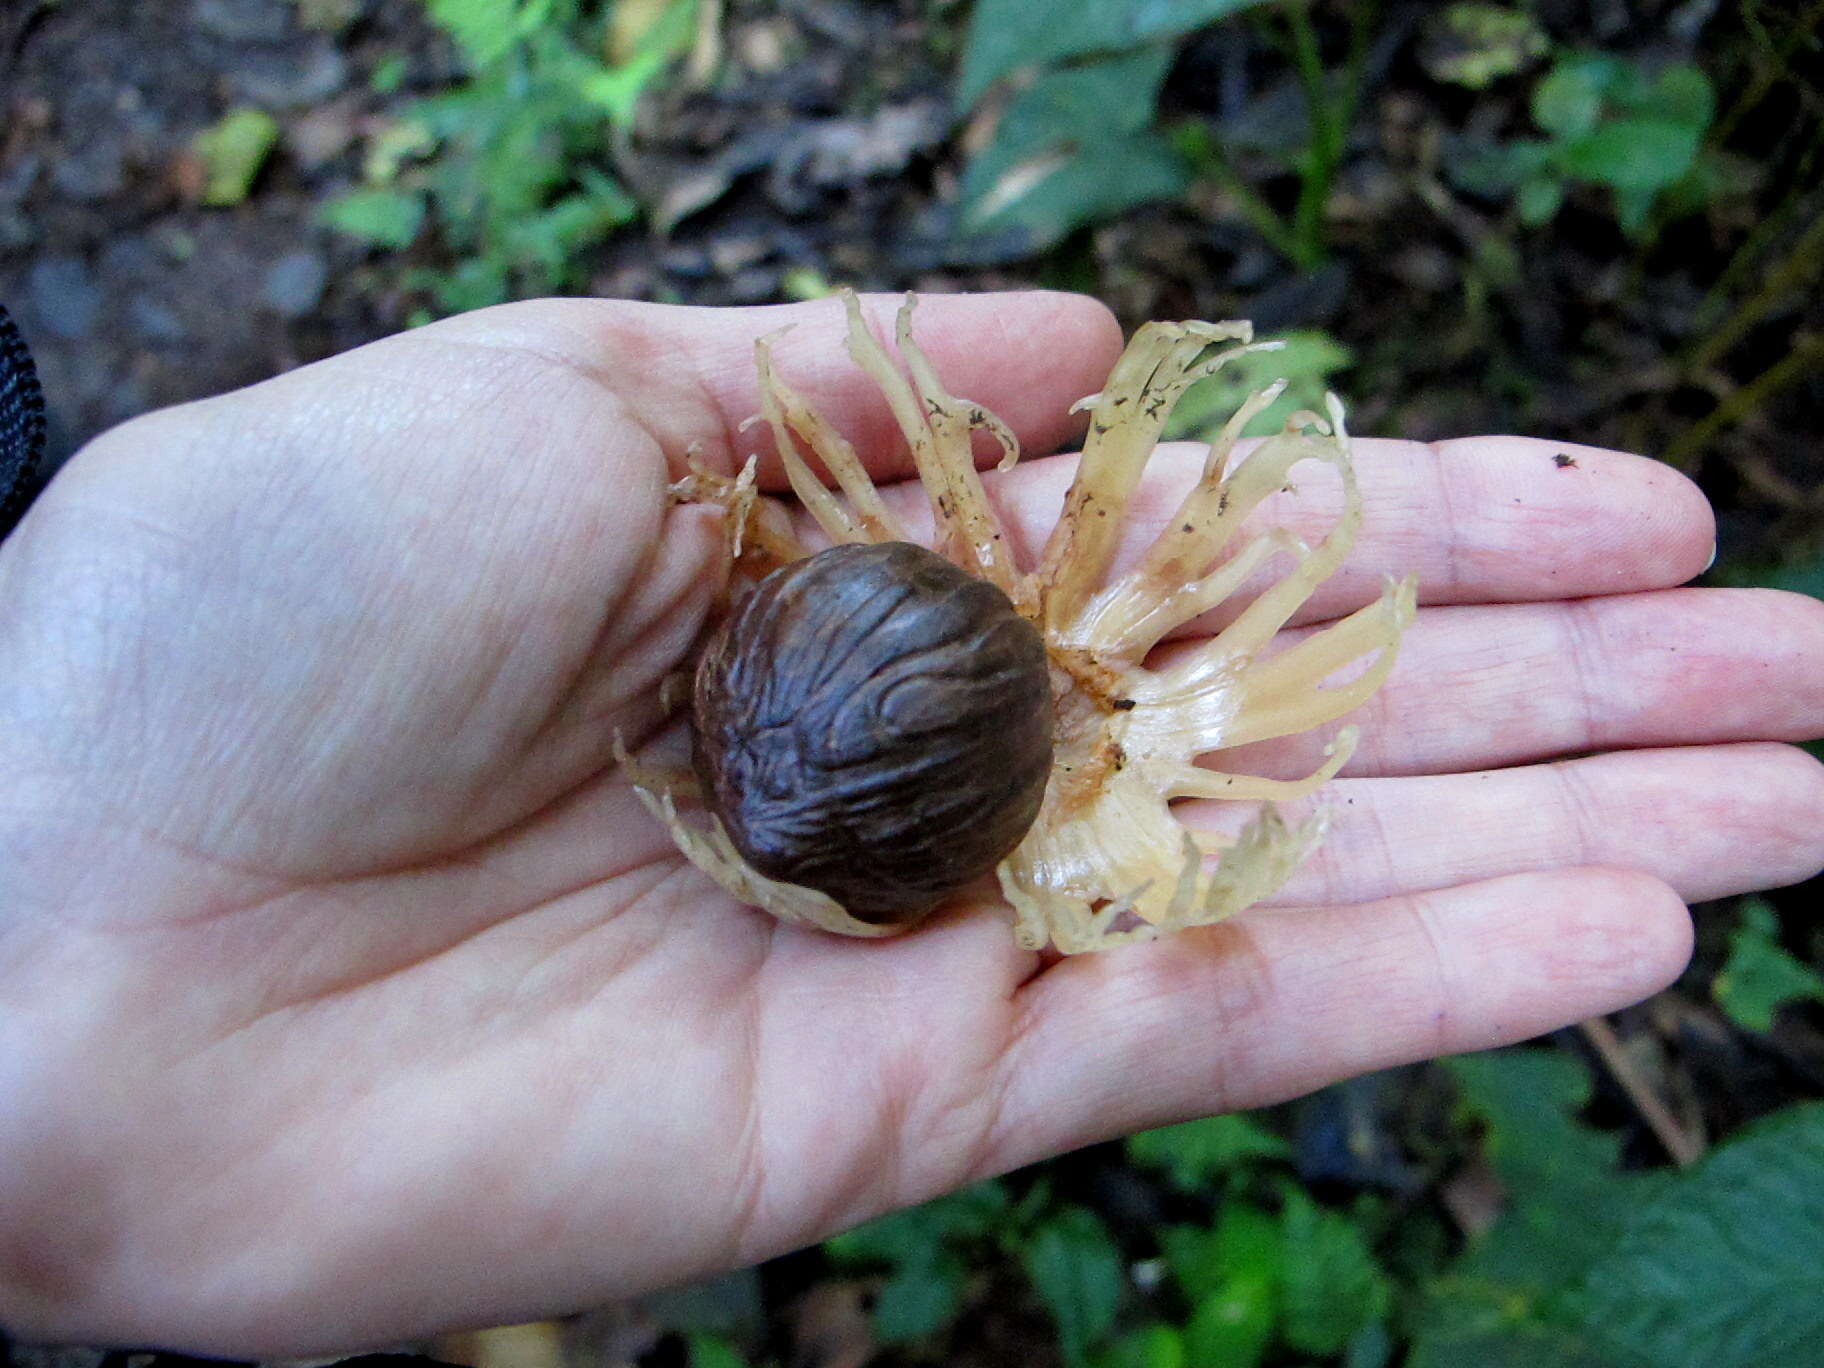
(347, 993)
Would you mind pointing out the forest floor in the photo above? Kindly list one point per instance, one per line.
(827, 150)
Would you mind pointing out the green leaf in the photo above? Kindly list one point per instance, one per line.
(1245, 1244)
(1333, 1288)
(709, 1351)
(1683, 94)
(1529, 1097)
(1005, 34)
(485, 30)
(474, 284)
(232, 151)
(1633, 154)
(1568, 1199)
(1502, 1304)
(616, 90)
(1497, 169)
(1076, 1270)
(389, 74)
(1371, 1347)
(387, 218)
(1151, 1346)
(1568, 101)
(921, 1298)
(1539, 200)
(1306, 361)
(1470, 1323)
(1725, 1268)
(1073, 147)
(1760, 976)
(913, 1234)
(1197, 1153)
(1232, 1326)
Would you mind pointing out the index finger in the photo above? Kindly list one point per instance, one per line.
(688, 374)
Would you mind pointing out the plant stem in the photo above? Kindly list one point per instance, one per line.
(1801, 198)
(1256, 210)
(1796, 32)
(1687, 452)
(1683, 1147)
(1784, 283)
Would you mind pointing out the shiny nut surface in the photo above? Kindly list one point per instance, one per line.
(874, 723)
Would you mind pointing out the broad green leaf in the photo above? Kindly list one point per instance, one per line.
(921, 1298)
(233, 150)
(1528, 1097)
(1725, 1267)
(1076, 1270)
(1044, 199)
(1633, 154)
(1333, 1288)
(1760, 976)
(1567, 1197)
(1503, 1303)
(1567, 102)
(1151, 1346)
(1073, 147)
(387, 218)
(1197, 1153)
(1463, 1323)
(1475, 45)
(1005, 34)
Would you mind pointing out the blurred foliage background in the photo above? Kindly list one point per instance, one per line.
(1602, 222)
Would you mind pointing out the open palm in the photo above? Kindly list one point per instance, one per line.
(346, 991)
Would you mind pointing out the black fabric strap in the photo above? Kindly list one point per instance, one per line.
(21, 422)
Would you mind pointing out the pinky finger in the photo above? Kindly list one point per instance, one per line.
(1278, 1003)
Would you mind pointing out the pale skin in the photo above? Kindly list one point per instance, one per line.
(347, 994)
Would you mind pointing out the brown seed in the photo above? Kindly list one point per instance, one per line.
(874, 723)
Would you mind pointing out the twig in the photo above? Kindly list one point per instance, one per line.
(1684, 1147)
(1807, 354)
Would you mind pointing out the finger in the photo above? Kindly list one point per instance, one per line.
(688, 374)
(1478, 520)
(1277, 1003)
(1706, 820)
(1480, 686)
